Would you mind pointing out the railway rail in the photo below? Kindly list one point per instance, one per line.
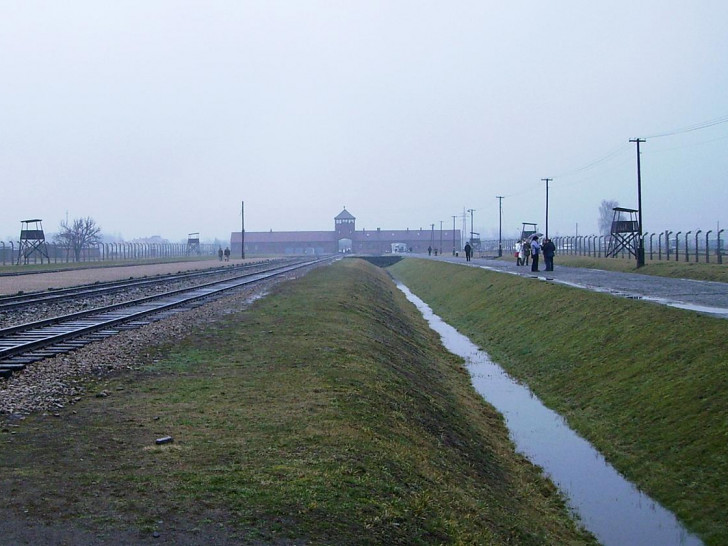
(15, 301)
(27, 343)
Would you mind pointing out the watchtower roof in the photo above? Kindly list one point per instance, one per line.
(344, 215)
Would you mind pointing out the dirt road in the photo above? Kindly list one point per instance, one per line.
(12, 284)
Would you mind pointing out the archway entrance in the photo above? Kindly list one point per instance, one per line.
(345, 245)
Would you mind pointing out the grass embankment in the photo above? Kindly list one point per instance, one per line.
(648, 385)
(327, 413)
(680, 270)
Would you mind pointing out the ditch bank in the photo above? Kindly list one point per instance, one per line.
(327, 412)
(648, 386)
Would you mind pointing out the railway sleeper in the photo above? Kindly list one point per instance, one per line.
(68, 346)
(7, 368)
(135, 324)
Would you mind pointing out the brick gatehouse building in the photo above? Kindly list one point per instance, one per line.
(345, 238)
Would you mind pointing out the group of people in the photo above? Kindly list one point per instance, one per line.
(532, 249)
(221, 253)
(529, 249)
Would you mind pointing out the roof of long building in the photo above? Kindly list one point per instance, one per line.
(285, 236)
(390, 235)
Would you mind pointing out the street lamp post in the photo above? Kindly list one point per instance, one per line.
(471, 211)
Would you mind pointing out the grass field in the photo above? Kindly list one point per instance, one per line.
(327, 413)
(648, 385)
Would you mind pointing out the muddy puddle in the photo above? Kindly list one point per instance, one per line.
(606, 504)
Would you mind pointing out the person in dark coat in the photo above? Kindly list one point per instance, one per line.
(535, 252)
(468, 251)
(549, 249)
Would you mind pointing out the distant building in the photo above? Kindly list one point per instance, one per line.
(153, 240)
(345, 238)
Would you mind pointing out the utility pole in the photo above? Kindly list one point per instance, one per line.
(440, 237)
(453, 235)
(547, 180)
(464, 218)
(242, 231)
(640, 242)
(471, 211)
(500, 225)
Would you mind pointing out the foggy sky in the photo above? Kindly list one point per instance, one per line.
(161, 117)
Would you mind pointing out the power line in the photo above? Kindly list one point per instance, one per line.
(589, 177)
(623, 147)
(690, 128)
(693, 145)
(614, 152)
(618, 150)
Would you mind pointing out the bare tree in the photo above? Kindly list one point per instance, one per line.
(79, 234)
(605, 216)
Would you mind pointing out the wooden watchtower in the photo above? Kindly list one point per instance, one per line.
(32, 240)
(193, 243)
(624, 233)
(528, 230)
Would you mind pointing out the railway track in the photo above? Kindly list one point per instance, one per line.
(10, 302)
(27, 343)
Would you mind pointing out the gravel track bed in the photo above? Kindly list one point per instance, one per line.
(51, 385)
(35, 312)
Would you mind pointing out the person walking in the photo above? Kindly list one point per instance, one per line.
(227, 254)
(535, 251)
(219, 253)
(549, 250)
(468, 251)
(526, 251)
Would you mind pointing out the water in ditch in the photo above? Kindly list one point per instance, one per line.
(605, 502)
